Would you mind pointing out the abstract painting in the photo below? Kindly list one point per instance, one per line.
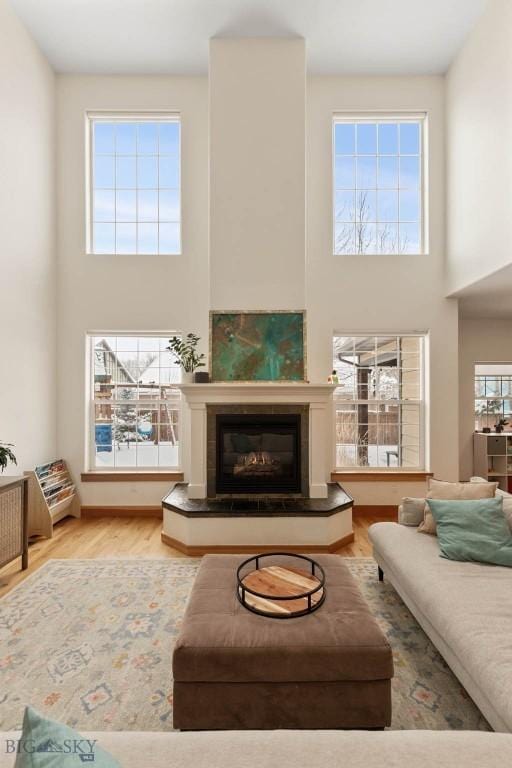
(257, 346)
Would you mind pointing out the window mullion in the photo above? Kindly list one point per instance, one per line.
(104, 230)
(402, 230)
(107, 368)
(387, 431)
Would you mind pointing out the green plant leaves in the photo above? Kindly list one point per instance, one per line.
(6, 455)
(186, 353)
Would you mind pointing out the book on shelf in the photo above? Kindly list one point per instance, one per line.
(59, 491)
(65, 493)
(49, 490)
(53, 468)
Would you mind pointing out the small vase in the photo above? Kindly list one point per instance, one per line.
(187, 377)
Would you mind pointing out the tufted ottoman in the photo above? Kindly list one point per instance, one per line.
(235, 670)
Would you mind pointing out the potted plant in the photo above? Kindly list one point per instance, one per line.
(6, 455)
(185, 352)
(502, 423)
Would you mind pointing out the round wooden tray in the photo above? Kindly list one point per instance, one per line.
(281, 590)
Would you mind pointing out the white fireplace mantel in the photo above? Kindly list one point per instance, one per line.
(319, 397)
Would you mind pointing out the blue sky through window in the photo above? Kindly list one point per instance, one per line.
(136, 187)
(377, 187)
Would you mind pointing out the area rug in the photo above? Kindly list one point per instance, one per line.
(89, 642)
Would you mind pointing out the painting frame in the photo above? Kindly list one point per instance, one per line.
(300, 313)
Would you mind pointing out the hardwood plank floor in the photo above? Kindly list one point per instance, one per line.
(124, 537)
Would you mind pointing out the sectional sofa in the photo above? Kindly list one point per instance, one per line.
(294, 749)
(465, 608)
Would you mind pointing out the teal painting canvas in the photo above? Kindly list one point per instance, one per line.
(257, 346)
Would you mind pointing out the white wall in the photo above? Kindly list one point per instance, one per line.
(257, 173)
(479, 169)
(359, 294)
(382, 293)
(482, 340)
(124, 292)
(28, 256)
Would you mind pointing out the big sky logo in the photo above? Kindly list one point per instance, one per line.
(82, 749)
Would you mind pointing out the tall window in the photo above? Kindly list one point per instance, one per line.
(379, 401)
(135, 406)
(134, 185)
(493, 395)
(378, 185)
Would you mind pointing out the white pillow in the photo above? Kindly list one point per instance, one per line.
(507, 507)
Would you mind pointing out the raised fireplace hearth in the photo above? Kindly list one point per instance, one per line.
(258, 453)
(273, 444)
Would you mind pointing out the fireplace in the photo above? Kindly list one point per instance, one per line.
(258, 453)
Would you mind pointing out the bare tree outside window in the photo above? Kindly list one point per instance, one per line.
(388, 241)
(378, 187)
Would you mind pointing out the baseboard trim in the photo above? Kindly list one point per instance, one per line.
(215, 549)
(387, 511)
(122, 512)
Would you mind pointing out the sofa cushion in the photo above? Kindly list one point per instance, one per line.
(468, 604)
(507, 510)
(289, 749)
(507, 500)
(473, 529)
(411, 511)
(439, 489)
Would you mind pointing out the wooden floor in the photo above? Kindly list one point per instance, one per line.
(124, 537)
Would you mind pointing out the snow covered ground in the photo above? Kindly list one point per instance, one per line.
(377, 455)
(139, 454)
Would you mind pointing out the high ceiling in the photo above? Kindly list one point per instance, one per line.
(171, 36)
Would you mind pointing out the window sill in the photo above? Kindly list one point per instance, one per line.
(141, 255)
(380, 255)
(124, 477)
(390, 476)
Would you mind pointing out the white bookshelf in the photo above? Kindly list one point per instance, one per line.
(492, 458)
(52, 495)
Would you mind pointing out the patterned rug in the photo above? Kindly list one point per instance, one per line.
(89, 642)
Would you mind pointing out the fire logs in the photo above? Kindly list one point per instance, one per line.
(256, 463)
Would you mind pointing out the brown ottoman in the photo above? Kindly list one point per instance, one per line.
(234, 669)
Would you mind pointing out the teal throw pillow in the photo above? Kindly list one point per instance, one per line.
(47, 744)
(473, 529)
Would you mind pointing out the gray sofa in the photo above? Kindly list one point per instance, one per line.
(465, 609)
(294, 749)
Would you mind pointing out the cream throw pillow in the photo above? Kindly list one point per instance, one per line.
(411, 511)
(439, 489)
(507, 510)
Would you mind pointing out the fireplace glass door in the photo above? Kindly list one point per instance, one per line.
(258, 453)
